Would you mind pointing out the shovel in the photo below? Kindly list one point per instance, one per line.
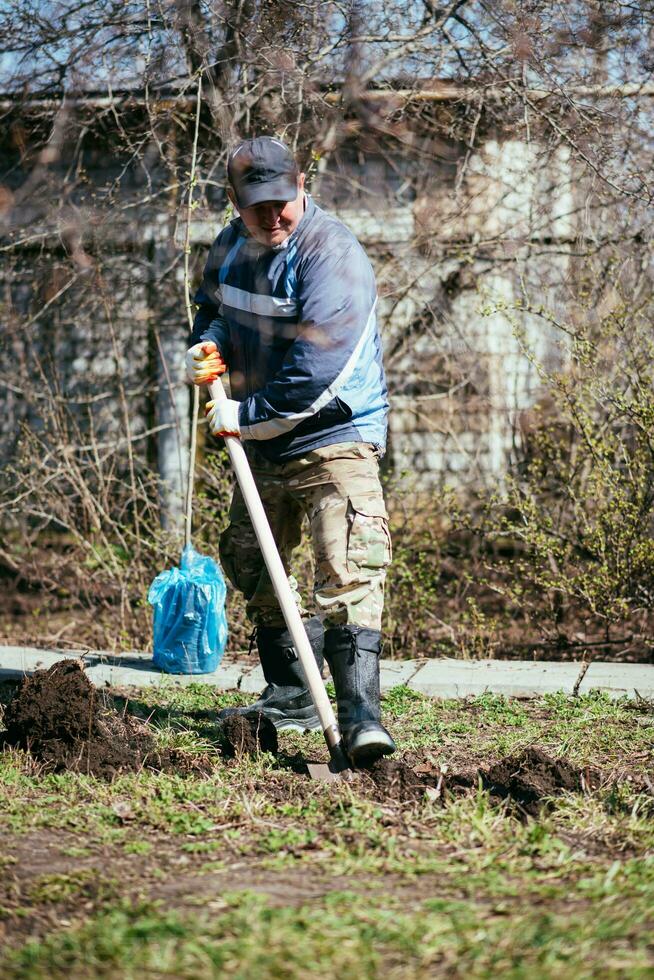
(338, 760)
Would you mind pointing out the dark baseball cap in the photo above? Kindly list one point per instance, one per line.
(262, 169)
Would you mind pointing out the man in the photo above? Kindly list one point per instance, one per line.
(287, 305)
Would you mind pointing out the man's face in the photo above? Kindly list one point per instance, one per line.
(271, 222)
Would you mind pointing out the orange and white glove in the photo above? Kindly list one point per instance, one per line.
(222, 417)
(204, 363)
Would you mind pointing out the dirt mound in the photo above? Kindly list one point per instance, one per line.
(531, 776)
(66, 723)
(414, 778)
(526, 779)
(59, 703)
(248, 734)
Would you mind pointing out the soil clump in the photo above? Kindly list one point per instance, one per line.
(248, 735)
(530, 776)
(65, 723)
(526, 780)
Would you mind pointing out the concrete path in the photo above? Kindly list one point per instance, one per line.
(442, 678)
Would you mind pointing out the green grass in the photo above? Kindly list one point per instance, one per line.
(254, 871)
(56, 888)
(343, 935)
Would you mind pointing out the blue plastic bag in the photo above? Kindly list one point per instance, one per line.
(190, 625)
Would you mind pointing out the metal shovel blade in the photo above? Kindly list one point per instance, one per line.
(338, 767)
(326, 773)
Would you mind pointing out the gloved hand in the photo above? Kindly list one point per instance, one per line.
(222, 417)
(204, 363)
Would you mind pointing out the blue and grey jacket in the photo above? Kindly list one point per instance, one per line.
(296, 326)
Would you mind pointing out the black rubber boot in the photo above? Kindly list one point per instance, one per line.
(352, 653)
(285, 700)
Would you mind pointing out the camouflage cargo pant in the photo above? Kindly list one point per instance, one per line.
(337, 488)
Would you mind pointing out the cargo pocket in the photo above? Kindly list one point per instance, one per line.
(368, 537)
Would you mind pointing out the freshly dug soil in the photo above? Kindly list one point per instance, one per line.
(60, 717)
(525, 779)
(528, 777)
(66, 723)
(396, 780)
(59, 703)
(248, 735)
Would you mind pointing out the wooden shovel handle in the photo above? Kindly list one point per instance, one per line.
(280, 583)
